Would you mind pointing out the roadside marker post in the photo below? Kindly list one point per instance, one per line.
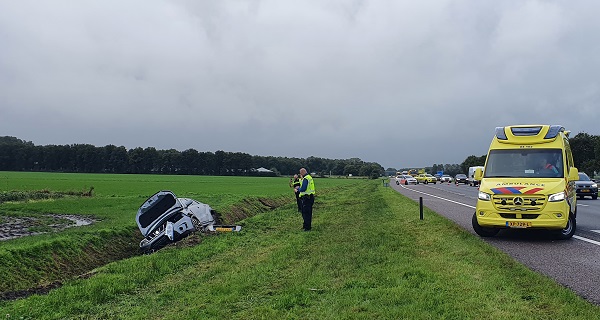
(421, 207)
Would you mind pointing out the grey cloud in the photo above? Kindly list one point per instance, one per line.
(402, 83)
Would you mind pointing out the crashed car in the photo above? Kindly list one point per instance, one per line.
(164, 218)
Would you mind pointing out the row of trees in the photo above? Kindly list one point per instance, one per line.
(19, 155)
(586, 152)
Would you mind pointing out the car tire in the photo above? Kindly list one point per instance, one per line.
(569, 229)
(483, 231)
(594, 197)
(397, 183)
(405, 183)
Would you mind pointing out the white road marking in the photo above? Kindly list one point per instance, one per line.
(596, 231)
(469, 206)
(587, 240)
(434, 196)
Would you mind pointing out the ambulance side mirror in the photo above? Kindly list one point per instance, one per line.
(478, 174)
(573, 174)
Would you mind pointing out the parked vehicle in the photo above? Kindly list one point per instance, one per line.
(461, 178)
(398, 178)
(426, 178)
(471, 178)
(528, 182)
(406, 180)
(586, 187)
(446, 178)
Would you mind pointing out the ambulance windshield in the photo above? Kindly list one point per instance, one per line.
(524, 163)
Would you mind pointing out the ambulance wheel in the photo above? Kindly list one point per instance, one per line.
(483, 231)
(569, 229)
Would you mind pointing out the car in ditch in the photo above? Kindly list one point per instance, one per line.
(586, 187)
(164, 218)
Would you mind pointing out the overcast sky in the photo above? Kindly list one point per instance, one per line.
(401, 83)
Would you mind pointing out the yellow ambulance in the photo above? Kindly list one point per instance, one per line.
(528, 182)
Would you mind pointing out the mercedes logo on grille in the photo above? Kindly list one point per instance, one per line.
(518, 201)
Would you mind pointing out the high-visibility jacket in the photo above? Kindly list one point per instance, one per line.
(297, 182)
(310, 188)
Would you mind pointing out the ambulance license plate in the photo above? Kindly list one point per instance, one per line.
(518, 224)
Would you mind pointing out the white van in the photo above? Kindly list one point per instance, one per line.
(471, 176)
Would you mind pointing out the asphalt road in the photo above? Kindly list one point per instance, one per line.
(574, 263)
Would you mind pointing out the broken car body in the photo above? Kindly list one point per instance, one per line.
(164, 218)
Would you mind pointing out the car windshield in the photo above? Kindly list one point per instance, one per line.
(461, 176)
(583, 177)
(524, 163)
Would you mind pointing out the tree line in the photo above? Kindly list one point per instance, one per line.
(20, 155)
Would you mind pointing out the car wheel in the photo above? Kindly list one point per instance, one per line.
(569, 229)
(405, 183)
(595, 197)
(397, 183)
(196, 223)
(425, 182)
(483, 231)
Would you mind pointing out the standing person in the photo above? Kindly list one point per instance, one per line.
(295, 183)
(307, 194)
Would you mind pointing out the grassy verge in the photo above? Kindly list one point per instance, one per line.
(32, 262)
(368, 256)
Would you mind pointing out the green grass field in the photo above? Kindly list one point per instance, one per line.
(368, 256)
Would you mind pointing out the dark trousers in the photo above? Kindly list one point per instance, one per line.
(307, 204)
(298, 201)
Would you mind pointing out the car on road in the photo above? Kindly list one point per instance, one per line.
(586, 187)
(446, 178)
(426, 178)
(461, 178)
(398, 178)
(406, 180)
